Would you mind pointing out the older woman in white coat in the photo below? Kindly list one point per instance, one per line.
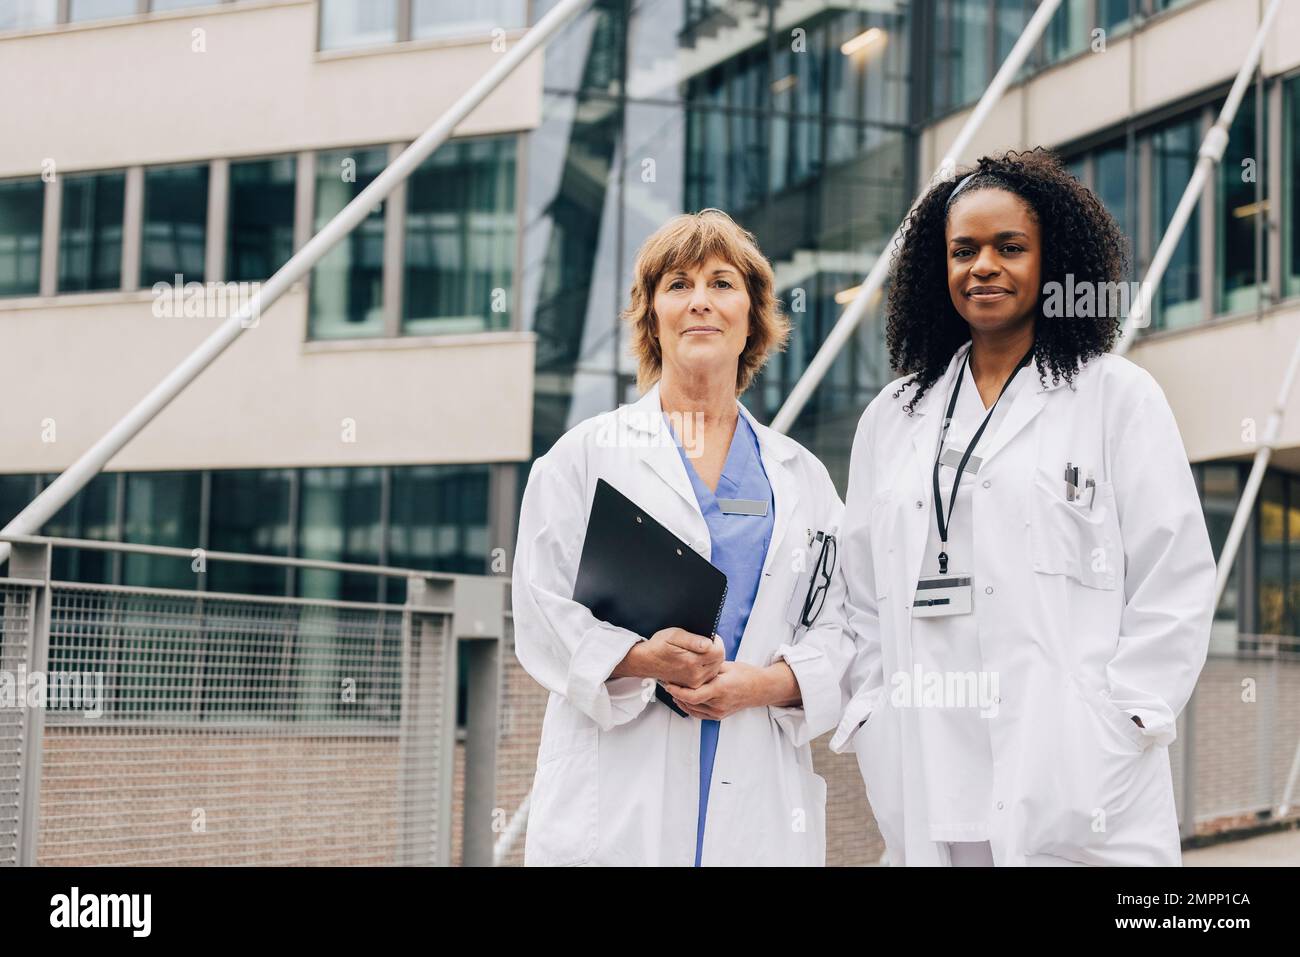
(621, 778)
(1029, 577)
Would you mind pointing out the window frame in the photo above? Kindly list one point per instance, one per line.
(404, 29)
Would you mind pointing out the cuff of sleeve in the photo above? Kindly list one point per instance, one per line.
(859, 709)
(818, 689)
(1160, 724)
(1155, 726)
(601, 649)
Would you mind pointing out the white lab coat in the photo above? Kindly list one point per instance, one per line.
(1087, 616)
(617, 779)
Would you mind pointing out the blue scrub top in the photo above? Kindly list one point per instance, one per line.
(739, 547)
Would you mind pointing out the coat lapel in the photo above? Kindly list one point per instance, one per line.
(1028, 403)
(655, 447)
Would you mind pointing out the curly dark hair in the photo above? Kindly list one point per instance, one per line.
(1079, 236)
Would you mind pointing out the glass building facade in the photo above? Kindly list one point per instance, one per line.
(795, 125)
(432, 517)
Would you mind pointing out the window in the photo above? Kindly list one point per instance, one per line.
(1173, 159)
(347, 284)
(259, 223)
(1067, 31)
(1009, 23)
(79, 10)
(34, 14)
(92, 513)
(1111, 186)
(357, 23)
(363, 23)
(175, 224)
(1220, 487)
(1271, 516)
(21, 206)
(1114, 15)
(745, 157)
(16, 491)
(436, 18)
(162, 508)
(250, 514)
(339, 520)
(961, 53)
(805, 147)
(1291, 188)
(767, 122)
(460, 238)
(90, 233)
(28, 14)
(440, 518)
(1238, 212)
(1291, 622)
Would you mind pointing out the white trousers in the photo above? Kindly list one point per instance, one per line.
(980, 854)
(971, 854)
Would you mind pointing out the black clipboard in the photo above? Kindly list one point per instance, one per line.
(636, 574)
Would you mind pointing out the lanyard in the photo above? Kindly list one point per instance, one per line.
(961, 469)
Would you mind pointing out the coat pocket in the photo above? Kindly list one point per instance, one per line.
(1082, 780)
(563, 822)
(1072, 538)
(1121, 721)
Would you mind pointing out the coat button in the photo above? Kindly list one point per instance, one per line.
(987, 484)
(999, 805)
(988, 589)
(919, 503)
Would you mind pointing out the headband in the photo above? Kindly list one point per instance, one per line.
(965, 181)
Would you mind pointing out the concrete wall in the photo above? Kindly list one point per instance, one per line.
(272, 400)
(259, 87)
(1222, 379)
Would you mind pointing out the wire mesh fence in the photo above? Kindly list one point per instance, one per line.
(15, 635)
(1245, 739)
(183, 728)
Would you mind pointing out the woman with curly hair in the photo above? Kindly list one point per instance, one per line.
(1029, 578)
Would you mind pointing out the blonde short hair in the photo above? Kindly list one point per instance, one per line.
(685, 242)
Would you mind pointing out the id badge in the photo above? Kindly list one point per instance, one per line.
(941, 595)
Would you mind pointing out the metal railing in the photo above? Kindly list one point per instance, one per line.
(176, 726)
(1237, 735)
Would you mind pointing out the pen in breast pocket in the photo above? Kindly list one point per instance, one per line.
(1091, 485)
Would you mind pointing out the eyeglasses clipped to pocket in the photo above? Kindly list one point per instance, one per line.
(811, 585)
